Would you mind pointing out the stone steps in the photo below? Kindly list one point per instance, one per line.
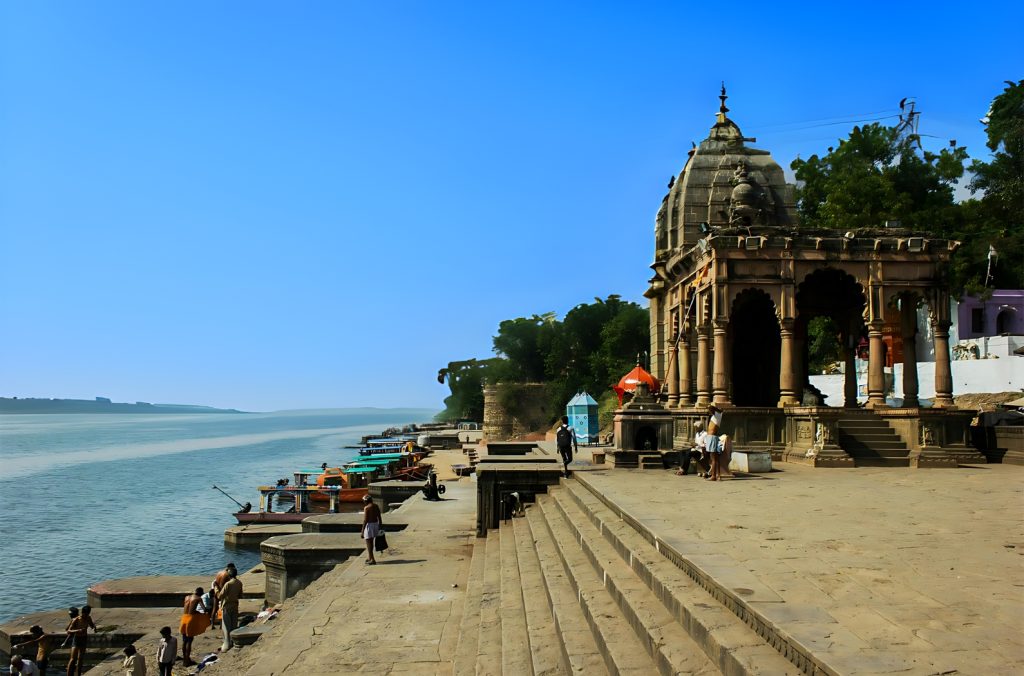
(579, 649)
(872, 443)
(464, 662)
(619, 646)
(665, 640)
(756, 605)
(515, 641)
(545, 648)
(488, 653)
(732, 646)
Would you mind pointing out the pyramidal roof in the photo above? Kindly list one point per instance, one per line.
(582, 399)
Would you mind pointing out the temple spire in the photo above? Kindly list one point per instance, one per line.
(722, 109)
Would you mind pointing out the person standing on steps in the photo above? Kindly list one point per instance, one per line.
(228, 596)
(218, 582)
(565, 442)
(372, 524)
(42, 644)
(195, 619)
(166, 652)
(76, 631)
(712, 441)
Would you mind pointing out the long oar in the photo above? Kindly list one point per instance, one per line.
(229, 497)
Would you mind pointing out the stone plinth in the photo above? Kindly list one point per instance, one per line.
(496, 480)
(751, 461)
(343, 523)
(497, 459)
(250, 536)
(293, 561)
(386, 492)
(162, 591)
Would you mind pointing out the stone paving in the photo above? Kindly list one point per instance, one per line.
(877, 570)
(874, 570)
(400, 616)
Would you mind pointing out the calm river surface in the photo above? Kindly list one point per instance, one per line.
(94, 497)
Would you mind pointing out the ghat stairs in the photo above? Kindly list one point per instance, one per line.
(870, 441)
(574, 587)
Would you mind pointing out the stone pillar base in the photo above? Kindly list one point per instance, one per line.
(931, 456)
(826, 457)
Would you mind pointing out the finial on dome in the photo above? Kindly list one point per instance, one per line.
(722, 109)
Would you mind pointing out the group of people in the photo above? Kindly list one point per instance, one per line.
(711, 450)
(76, 636)
(200, 611)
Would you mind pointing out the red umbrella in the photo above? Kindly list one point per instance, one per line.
(629, 382)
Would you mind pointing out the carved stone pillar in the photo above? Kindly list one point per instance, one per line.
(703, 366)
(850, 374)
(908, 321)
(787, 365)
(876, 367)
(685, 372)
(673, 373)
(943, 372)
(720, 380)
(800, 378)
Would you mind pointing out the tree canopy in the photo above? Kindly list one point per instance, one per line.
(590, 349)
(881, 173)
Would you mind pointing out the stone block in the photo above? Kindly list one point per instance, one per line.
(751, 461)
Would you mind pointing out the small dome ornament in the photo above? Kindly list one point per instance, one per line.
(746, 196)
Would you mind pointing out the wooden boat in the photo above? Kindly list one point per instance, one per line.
(299, 511)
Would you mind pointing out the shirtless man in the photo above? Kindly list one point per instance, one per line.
(371, 527)
(76, 631)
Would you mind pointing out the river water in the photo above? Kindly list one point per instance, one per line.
(95, 497)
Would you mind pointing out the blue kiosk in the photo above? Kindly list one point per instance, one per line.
(582, 412)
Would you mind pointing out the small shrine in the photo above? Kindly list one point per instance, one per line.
(582, 412)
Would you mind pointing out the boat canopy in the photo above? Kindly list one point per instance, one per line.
(359, 470)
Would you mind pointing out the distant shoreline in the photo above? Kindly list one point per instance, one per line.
(11, 405)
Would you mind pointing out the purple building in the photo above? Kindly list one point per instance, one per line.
(1000, 314)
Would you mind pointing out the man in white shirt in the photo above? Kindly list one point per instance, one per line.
(23, 667)
(698, 452)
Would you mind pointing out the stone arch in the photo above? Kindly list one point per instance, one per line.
(755, 344)
(839, 297)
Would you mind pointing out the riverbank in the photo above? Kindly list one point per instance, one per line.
(875, 570)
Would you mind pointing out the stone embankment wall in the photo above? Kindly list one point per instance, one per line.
(513, 410)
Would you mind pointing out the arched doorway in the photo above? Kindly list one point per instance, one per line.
(830, 311)
(754, 333)
(1004, 320)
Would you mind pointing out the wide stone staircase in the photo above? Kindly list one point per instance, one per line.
(870, 441)
(572, 588)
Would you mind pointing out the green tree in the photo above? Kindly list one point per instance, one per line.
(465, 380)
(524, 343)
(880, 174)
(996, 219)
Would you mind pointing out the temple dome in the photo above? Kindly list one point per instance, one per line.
(724, 182)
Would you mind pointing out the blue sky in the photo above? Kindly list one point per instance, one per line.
(286, 205)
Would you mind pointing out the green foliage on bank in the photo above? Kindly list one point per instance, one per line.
(593, 346)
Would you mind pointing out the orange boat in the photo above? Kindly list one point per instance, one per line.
(353, 485)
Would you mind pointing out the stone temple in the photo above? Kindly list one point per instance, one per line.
(736, 281)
